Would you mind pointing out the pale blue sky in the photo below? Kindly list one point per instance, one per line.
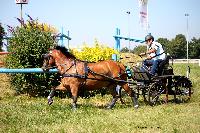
(90, 19)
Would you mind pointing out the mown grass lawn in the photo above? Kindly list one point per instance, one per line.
(24, 114)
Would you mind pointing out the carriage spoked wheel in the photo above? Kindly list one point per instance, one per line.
(183, 90)
(154, 94)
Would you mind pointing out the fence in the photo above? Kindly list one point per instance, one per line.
(196, 61)
(22, 70)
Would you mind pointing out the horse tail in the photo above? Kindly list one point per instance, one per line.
(123, 74)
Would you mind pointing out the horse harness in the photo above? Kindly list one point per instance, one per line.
(87, 71)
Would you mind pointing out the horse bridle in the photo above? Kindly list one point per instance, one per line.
(48, 56)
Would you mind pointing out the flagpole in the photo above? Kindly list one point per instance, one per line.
(147, 24)
(188, 68)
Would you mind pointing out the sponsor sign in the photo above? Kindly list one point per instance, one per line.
(21, 1)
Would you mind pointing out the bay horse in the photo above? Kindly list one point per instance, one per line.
(77, 75)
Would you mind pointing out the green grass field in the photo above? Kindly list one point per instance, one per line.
(24, 114)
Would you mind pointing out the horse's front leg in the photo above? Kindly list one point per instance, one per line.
(52, 93)
(74, 91)
(50, 97)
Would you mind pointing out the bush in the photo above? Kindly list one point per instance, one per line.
(94, 54)
(27, 45)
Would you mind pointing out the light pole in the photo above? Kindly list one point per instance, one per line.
(128, 12)
(187, 15)
(21, 2)
(187, 38)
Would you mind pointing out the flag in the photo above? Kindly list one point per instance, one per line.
(143, 14)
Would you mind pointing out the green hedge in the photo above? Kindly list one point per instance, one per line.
(27, 45)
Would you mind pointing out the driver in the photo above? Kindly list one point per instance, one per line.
(155, 54)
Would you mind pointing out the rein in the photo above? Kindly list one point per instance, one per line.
(109, 78)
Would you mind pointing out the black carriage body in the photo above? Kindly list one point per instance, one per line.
(152, 88)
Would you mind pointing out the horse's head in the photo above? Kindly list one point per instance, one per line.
(49, 61)
(61, 54)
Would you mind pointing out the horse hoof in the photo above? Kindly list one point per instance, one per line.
(136, 106)
(74, 107)
(50, 101)
(109, 107)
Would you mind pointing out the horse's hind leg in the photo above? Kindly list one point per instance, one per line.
(119, 91)
(74, 100)
(112, 104)
(132, 94)
(114, 100)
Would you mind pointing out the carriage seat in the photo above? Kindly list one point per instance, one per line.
(163, 65)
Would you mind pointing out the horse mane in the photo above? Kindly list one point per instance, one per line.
(65, 51)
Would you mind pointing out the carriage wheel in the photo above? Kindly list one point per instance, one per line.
(183, 90)
(155, 91)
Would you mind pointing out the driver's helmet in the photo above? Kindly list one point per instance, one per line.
(148, 37)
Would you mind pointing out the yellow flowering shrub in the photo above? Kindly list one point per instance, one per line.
(94, 54)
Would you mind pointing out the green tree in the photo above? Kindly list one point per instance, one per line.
(178, 45)
(166, 45)
(2, 33)
(194, 48)
(140, 49)
(27, 45)
(124, 50)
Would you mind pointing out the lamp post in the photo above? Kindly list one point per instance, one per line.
(21, 2)
(128, 12)
(187, 38)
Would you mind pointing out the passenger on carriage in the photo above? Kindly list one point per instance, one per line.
(155, 54)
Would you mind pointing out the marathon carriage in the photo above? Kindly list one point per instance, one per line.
(156, 89)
